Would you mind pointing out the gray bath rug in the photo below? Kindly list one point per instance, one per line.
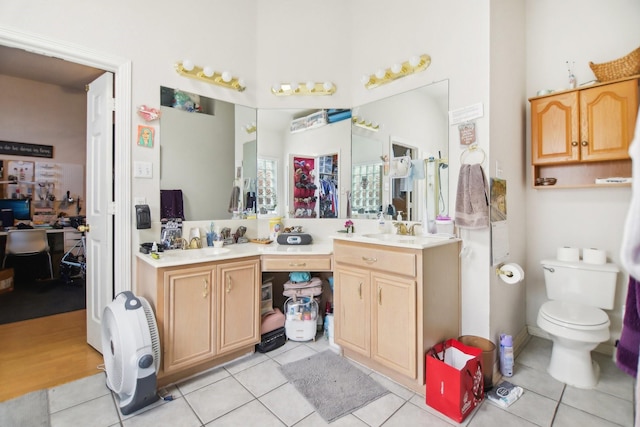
(29, 410)
(331, 384)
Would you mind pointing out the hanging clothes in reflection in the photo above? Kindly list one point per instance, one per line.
(328, 197)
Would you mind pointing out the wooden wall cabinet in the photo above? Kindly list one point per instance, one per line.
(392, 304)
(583, 134)
(207, 313)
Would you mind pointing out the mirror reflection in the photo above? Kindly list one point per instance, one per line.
(308, 152)
(207, 155)
(308, 163)
(399, 146)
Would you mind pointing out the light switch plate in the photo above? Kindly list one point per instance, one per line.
(142, 169)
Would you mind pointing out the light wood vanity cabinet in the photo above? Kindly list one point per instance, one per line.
(296, 263)
(207, 313)
(583, 134)
(392, 304)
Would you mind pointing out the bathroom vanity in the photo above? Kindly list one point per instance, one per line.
(394, 300)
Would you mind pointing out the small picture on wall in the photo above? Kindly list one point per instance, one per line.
(146, 134)
(498, 200)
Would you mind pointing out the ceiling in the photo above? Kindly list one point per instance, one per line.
(20, 63)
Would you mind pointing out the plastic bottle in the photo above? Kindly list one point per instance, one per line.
(381, 224)
(154, 247)
(506, 355)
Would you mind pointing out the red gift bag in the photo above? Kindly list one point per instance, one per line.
(454, 379)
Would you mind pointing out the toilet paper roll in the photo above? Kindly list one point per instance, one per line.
(594, 256)
(511, 273)
(567, 253)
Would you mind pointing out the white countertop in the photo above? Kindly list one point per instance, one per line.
(177, 257)
(396, 240)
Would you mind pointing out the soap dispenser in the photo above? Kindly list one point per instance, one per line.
(382, 228)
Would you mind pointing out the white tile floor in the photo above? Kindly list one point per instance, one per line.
(252, 392)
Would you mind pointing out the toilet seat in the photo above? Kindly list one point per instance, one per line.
(574, 316)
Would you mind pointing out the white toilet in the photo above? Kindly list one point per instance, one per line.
(574, 319)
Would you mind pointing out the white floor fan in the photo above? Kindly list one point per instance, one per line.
(131, 351)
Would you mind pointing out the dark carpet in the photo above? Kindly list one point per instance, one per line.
(39, 298)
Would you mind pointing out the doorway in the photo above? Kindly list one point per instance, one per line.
(120, 206)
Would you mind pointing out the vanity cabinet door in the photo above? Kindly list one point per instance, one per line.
(352, 298)
(189, 324)
(238, 304)
(393, 323)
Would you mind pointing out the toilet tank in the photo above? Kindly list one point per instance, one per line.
(589, 284)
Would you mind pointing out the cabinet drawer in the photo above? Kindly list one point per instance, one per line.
(387, 259)
(296, 263)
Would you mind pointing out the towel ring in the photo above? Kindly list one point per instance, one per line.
(469, 151)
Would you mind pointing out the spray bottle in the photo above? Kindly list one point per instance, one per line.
(506, 355)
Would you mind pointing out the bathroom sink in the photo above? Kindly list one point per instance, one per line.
(391, 237)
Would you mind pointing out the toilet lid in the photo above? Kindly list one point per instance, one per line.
(576, 316)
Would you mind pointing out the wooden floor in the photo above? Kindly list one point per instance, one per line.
(45, 352)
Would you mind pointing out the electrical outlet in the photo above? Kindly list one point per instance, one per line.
(142, 170)
(139, 201)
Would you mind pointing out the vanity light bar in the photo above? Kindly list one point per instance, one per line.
(414, 65)
(362, 123)
(206, 74)
(308, 88)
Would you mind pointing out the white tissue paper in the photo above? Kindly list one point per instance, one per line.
(569, 254)
(511, 273)
(594, 256)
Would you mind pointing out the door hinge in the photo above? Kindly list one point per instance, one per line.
(112, 104)
(111, 209)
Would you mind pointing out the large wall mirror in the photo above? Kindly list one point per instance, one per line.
(411, 125)
(208, 154)
(201, 155)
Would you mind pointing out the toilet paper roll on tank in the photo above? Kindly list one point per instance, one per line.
(568, 254)
(594, 256)
(589, 255)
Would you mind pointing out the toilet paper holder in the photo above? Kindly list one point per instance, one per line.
(501, 272)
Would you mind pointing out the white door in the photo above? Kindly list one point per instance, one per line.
(99, 245)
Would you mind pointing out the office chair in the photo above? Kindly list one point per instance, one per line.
(26, 243)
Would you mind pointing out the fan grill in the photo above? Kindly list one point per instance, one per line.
(113, 352)
(153, 332)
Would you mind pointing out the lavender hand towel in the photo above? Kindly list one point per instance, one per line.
(629, 344)
(472, 198)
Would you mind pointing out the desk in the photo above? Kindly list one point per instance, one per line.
(60, 241)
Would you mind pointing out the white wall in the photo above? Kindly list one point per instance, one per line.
(580, 31)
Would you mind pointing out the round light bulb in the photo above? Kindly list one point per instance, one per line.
(414, 61)
(294, 87)
(327, 86)
(310, 86)
(241, 82)
(380, 73)
(187, 65)
(396, 68)
(226, 76)
(207, 71)
(365, 79)
(276, 87)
